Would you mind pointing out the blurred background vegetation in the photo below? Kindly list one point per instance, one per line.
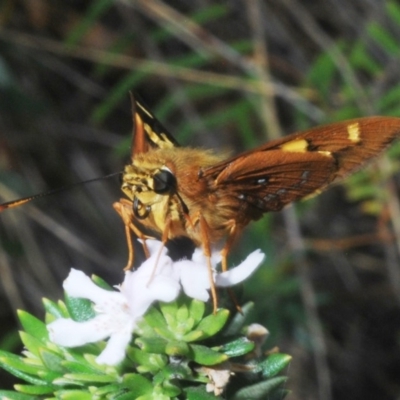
(221, 75)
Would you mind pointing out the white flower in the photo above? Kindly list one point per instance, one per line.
(157, 279)
(113, 320)
(193, 274)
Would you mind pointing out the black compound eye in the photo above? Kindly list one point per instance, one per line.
(164, 181)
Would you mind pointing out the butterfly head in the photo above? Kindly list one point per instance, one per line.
(150, 188)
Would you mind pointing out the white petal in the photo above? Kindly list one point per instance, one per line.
(199, 257)
(80, 285)
(153, 266)
(114, 352)
(155, 246)
(150, 282)
(196, 292)
(241, 272)
(194, 279)
(161, 289)
(69, 333)
(164, 289)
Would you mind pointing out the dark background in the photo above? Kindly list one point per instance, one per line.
(221, 75)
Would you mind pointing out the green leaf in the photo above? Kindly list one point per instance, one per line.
(259, 390)
(278, 394)
(8, 359)
(148, 362)
(101, 283)
(182, 313)
(79, 309)
(213, 323)
(73, 395)
(48, 376)
(94, 378)
(199, 393)
(55, 309)
(205, 356)
(321, 74)
(274, 364)
(128, 396)
(178, 370)
(193, 336)
(169, 310)
(31, 343)
(103, 391)
(152, 344)
(183, 321)
(51, 360)
(360, 58)
(158, 361)
(383, 38)
(170, 389)
(153, 396)
(237, 348)
(10, 395)
(155, 319)
(33, 326)
(138, 384)
(64, 382)
(20, 369)
(177, 348)
(196, 310)
(78, 367)
(239, 320)
(35, 389)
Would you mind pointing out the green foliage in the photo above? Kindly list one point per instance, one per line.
(177, 350)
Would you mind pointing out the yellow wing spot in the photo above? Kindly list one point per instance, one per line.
(353, 131)
(295, 146)
(160, 139)
(325, 153)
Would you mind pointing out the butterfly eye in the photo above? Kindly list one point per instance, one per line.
(138, 209)
(164, 181)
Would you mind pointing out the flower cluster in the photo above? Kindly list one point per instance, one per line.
(103, 343)
(157, 279)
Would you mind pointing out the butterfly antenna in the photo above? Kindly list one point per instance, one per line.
(24, 200)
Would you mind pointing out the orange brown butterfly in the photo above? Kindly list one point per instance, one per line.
(175, 191)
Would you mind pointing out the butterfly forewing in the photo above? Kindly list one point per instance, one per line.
(147, 130)
(296, 166)
(277, 179)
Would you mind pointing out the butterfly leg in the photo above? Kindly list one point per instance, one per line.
(204, 228)
(232, 235)
(124, 209)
